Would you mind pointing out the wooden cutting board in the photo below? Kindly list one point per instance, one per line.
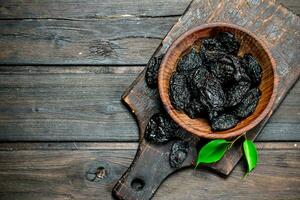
(278, 27)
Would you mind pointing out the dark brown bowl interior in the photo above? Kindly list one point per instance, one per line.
(249, 44)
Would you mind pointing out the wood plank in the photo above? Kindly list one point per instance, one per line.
(101, 9)
(50, 146)
(87, 105)
(125, 33)
(111, 41)
(97, 9)
(54, 173)
(83, 104)
(292, 5)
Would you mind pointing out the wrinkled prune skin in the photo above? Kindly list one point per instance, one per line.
(236, 62)
(223, 72)
(152, 71)
(223, 122)
(160, 128)
(212, 94)
(194, 109)
(247, 106)
(212, 114)
(198, 79)
(240, 73)
(223, 88)
(190, 61)
(236, 93)
(178, 153)
(253, 69)
(228, 42)
(226, 68)
(179, 92)
(212, 44)
(224, 42)
(209, 56)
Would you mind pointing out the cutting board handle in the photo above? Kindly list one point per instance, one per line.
(144, 176)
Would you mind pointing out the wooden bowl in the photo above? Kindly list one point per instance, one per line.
(249, 44)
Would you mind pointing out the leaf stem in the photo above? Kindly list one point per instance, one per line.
(233, 141)
(245, 175)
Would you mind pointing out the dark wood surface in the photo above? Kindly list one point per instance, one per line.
(57, 171)
(82, 32)
(42, 99)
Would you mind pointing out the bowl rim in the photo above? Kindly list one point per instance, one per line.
(214, 135)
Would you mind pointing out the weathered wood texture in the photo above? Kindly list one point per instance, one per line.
(97, 9)
(110, 41)
(100, 9)
(93, 32)
(60, 103)
(80, 32)
(83, 104)
(50, 171)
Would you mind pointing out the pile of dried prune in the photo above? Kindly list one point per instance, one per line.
(161, 129)
(213, 82)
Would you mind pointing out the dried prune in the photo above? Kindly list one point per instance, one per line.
(247, 106)
(209, 56)
(190, 61)
(152, 71)
(226, 68)
(178, 153)
(189, 75)
(241, 74)
(160, 128)
(253, 69)
(179, 92)
(212, 44)
(236, 62)
(223, 72)
(198, 79)
(212, 113)
(236, 93)
(223, 122)
(228, 42)
(213, 94)
(223, 42)
(194, 109)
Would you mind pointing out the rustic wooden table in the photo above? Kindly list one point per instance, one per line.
(64, 132)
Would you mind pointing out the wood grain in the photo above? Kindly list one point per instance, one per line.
(112, 41)
(97, 9)
(57, 170)
(83, 104)
(292, 5)
(101, 9)
(52, 172)
(76, 32)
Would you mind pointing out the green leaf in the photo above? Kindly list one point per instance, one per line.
(212, 151)
(250, 154)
